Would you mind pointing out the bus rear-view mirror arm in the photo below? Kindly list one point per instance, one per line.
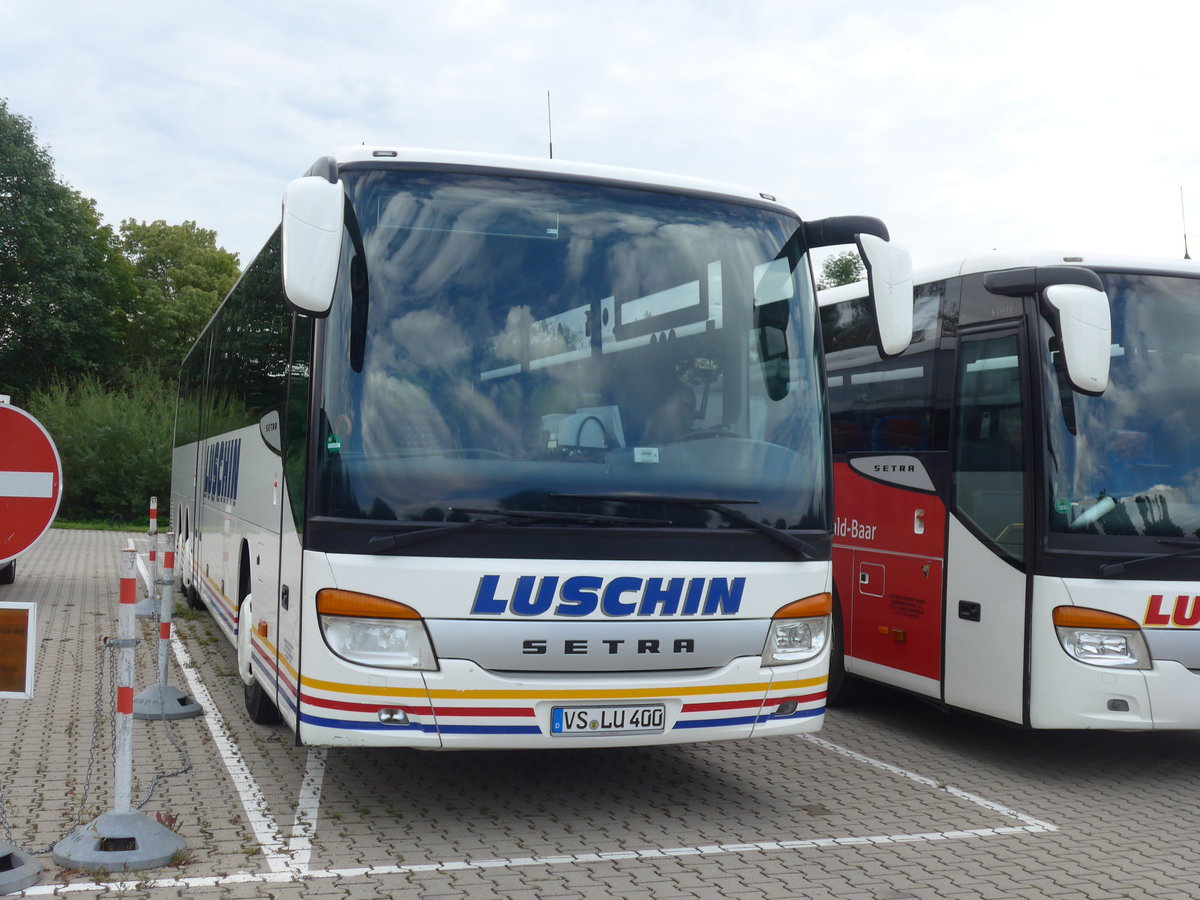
(311, 242)
(889, 274)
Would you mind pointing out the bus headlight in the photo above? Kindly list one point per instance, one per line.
(1101, 638)
(373, 631)
(799, 631)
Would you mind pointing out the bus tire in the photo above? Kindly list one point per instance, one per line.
(259, 706)
(193, 596)
(844, 689)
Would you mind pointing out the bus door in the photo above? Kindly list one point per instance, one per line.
(986, 580)
(889, 540)
(274, 517)
(287, 605)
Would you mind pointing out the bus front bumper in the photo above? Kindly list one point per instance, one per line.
(463, 706)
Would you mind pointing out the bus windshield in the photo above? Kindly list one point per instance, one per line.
(499, 342)
(1126, 463)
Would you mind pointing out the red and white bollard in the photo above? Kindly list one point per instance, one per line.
(162, 701)
(147, 608)
(123, 725)
(123, 839)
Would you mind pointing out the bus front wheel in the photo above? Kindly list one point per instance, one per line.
(261, 708)
(259, 705)
(844, 689)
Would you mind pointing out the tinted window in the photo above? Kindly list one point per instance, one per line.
(876, 404)
(989, 485)
(250, 335)
(496, 342)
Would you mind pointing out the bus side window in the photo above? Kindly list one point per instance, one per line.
(882, 406)
(847, 436)
(989, 483)
(899, 433)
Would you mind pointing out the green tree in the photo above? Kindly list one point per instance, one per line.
(114, 442)
(841, 268)
(64, 285)
(180, 276)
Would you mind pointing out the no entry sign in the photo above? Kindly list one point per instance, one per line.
(30, 481)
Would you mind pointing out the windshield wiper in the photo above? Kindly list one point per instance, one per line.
(382, 542)
(1117, 568)
(804, 549)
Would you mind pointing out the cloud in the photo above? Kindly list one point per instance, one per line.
(965, 126)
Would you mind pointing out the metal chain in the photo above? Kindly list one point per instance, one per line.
(183, 756)
(108, 649)
(4, 817)
(170, 733)
(110, 645)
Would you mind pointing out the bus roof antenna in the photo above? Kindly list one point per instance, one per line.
(1183, 213)
(550, 126)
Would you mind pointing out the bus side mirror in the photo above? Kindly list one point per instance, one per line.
(890, 285)
(1073, 301)
(773, 288)
(770, 324)
(889, 274)
(1082, 322)
(312, 242)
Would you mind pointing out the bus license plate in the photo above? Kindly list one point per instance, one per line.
(566, 721)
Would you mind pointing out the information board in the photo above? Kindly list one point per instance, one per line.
(17, 627)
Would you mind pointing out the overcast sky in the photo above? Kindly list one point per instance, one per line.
(966, 127)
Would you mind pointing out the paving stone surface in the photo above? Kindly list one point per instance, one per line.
(892, 800)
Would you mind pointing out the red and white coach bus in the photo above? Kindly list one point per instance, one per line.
(1017, 495)
(494, 452)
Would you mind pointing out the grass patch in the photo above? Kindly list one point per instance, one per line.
(114, 524)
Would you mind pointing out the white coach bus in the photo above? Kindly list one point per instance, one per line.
(486, 452)
(1018, 494)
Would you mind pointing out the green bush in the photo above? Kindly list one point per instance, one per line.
(115, 444)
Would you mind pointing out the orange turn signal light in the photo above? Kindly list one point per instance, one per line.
(1082, 617)
(334, 602)
(816, 605)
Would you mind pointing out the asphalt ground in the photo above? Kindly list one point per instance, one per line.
(892, 800)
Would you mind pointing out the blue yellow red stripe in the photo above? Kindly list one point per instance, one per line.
(370, 699)
(325, 704)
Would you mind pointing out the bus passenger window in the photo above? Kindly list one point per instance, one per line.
(989, 484)
(899, 433)
(846, 436)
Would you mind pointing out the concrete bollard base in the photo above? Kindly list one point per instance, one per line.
(17, 871)
(119, 842)
(165, 702)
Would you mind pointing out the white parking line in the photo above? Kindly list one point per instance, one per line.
(295, 857)
(707, 850)
(292, 866)
(258, 814)
(289, 862)
(1031, 824)
(308, 806)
